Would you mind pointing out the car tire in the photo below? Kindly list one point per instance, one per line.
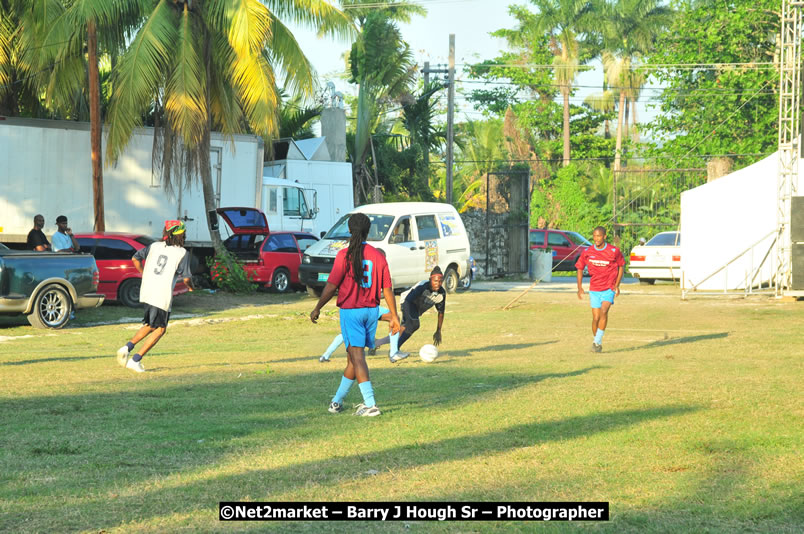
(129, 293)
(647, 281)
(451, 280)
(280, 281)
(51, 308)
(314, 291)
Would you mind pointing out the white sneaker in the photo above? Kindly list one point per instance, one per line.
(323, 359)
(366, 411)
(399, 355)
(135, 366)
(122, 355)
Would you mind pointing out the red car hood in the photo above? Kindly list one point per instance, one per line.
(249, 221)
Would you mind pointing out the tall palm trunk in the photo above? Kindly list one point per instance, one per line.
(565, 91)
(205, 168)
(95, 128)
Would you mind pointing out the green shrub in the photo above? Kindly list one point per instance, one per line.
(228, 274)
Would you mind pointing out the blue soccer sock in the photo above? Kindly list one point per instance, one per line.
(130, 346)
(333, 346)
(137, 357)
(343, 389)
(368, 393)
(394, 341)
(599, 336)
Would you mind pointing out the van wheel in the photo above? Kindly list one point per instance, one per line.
(314, 291)
(129, 293)
(451, 280)
(51, 308)
(280, 281)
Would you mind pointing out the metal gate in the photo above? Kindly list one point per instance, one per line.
(507, 222)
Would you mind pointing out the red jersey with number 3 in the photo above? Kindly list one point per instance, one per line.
(367, 292)
(603, 266)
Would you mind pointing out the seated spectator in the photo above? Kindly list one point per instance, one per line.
(63, 240)
(37, 240)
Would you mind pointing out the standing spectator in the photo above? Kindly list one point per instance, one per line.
(37, 240)
(605, 263)
(63, 239)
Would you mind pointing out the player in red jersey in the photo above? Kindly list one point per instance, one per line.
(360, 274)
(606, 266)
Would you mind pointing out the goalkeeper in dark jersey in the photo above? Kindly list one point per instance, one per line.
(415, 302)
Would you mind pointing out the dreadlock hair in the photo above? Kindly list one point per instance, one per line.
(359, 225)
(173, 240)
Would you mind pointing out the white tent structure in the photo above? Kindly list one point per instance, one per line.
(728, 230)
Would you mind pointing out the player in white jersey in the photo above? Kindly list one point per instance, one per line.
(161, 264)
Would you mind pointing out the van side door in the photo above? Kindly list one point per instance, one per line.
(427, 242)
(403, 254)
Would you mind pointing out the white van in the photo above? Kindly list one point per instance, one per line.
(414, 236)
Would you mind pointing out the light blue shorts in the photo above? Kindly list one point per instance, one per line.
(359, 326)
(382, 310)
(596, 298)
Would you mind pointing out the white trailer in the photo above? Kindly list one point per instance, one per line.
(45, 168)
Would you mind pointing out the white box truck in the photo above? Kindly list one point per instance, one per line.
(45, 168)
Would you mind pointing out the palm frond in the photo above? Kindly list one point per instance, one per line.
(139, 74)
(286, 54)
(254, 83)
(185, 100)
(249, 27)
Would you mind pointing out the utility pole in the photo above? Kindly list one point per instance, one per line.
(450, 113)
(427, 71)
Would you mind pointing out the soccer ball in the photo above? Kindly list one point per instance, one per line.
(428, 353)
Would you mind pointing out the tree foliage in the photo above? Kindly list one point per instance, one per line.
(730, 109)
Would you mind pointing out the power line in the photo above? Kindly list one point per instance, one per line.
(655, 66)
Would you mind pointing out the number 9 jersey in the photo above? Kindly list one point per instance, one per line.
(163, 264)
(367, 292)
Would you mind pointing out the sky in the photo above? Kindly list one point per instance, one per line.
(471, 21)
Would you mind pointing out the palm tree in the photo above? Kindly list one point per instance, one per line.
(211, 64)
(481, 148)
(60, 44)
(630, 31)
(565, 22)
(382, 65)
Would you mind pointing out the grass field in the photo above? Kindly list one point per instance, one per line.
(689, 421)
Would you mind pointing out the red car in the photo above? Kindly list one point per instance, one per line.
(567, 246)
(119, 280)
(271, 259)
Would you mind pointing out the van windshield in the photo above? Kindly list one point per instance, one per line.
(380, 224)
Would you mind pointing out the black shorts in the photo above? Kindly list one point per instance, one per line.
(155, 317)
(410, 317)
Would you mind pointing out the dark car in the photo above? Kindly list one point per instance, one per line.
(567, 246)
(47, 286)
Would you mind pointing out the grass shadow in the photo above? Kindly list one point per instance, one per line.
(673, 341)
(495, 348)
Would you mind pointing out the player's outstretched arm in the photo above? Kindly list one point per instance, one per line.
(326, 295)
(137, 264)
(437, 335)
(390, 300)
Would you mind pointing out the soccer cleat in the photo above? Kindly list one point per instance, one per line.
(135, 366)
(372, 352)
(335, 407)
(323, 359)
(596, 347)
(398, 356)
(367, 411)
(122, 355)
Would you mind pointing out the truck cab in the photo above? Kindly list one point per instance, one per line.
(287, 205)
